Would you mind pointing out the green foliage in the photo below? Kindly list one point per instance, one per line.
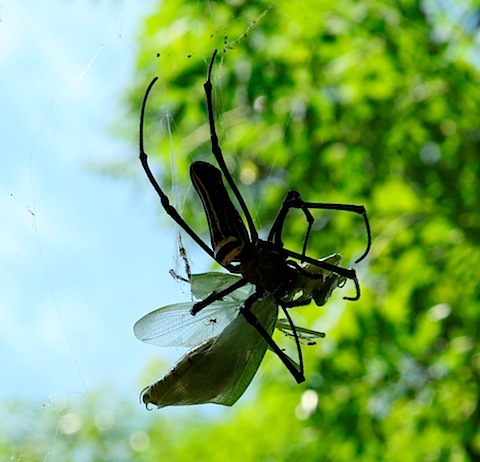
(377, 103)
(371, 102)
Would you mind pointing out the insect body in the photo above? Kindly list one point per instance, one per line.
(283, 277)
(220, 369)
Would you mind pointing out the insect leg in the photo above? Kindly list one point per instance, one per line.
(348, 273)
(252, 319)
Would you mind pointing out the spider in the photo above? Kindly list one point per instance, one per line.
(237, 247)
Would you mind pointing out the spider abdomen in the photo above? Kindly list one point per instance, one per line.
(228, 233)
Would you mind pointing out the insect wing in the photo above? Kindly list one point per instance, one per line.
(173, 325)
(307, 335)
(220, 369)
(203, 285)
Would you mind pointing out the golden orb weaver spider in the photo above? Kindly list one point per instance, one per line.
(266, 264)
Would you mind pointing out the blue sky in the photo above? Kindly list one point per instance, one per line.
(82, 256)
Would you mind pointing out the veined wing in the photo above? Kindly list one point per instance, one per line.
(202, 285)
(306, 335)
(173, 325)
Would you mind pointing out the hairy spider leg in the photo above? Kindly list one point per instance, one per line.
(171, 211)
(294, 200)
(217, 152)
(276, 230)
(358, 209)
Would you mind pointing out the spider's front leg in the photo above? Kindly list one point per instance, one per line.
(217, 151)
(293, 200)
(171, 211)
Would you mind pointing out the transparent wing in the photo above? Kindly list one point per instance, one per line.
(202, 285)
(306, 335)
(173, 325)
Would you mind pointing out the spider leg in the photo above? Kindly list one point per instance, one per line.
(297, 303)
(358, 209)
(304, 272)
(294, 200)
(214, 296)
(217, 151)
(295, 336)
(252, 320)
(171, 211)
